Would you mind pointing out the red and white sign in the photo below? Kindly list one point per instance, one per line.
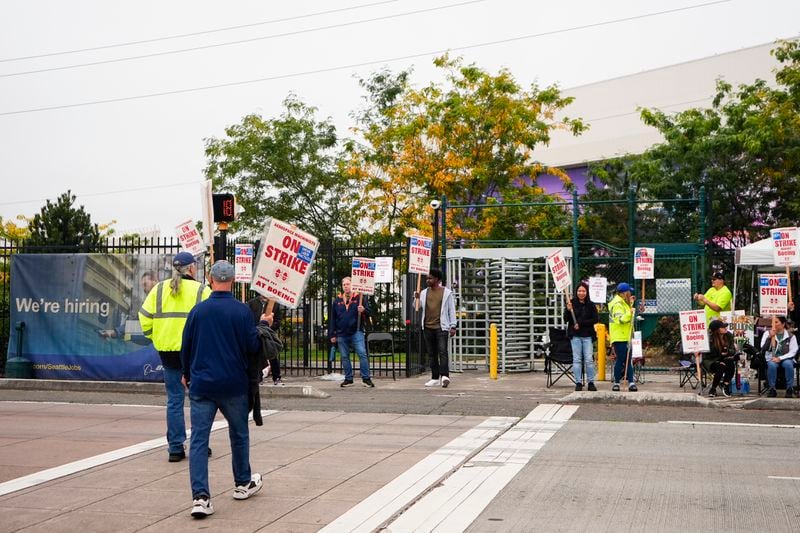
(644, 260)
(785, 251)
(384, 273)
(190, 238)
(560, 270)
(419, 254)
(244, 263)
(283, 263)
(773, 294)
(694, 336)
(362, 275)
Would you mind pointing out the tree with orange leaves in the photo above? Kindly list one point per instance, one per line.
(471, 139)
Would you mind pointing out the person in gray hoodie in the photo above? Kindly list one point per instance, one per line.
(438, 325)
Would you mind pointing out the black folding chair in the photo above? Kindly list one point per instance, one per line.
(558, 359)
(382, 345)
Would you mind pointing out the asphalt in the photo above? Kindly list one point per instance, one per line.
(88, 456)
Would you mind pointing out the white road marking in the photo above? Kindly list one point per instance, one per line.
(410, 485)
(50, 474)
(783, 477)
(457, 502)
(737, 424)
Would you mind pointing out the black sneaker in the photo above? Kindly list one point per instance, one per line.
(592, 387)
(177, 457)
(346, 383)
(712, 393)
(772, 393)
(789, 393)
(578, 387)
(632, 388)
(368, 383)
(615, 388)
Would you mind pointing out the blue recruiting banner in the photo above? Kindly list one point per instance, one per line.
(81, 314)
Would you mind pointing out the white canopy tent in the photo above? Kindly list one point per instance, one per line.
(757, 256)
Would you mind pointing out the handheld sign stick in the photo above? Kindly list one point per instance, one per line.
(571, 310)
(789, 284)
(630, 347)
(416, 297)
(700, 385)
(360, 303)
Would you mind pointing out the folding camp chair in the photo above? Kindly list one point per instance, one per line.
(558, 359)
(381, 345)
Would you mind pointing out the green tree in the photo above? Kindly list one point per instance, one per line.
(60, 227)
(287, 168)
(472, 139)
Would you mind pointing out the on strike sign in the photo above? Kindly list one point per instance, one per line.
(558, 267)
(785, 252)
(773, 294)
(283, 265)
(419, 255)
(189, 238)
(362, 275)
(244, 263)
(694, 336)
(644, 263)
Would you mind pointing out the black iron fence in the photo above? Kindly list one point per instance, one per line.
(307, 349)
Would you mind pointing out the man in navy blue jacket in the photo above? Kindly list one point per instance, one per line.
(218, 336)
(346, 331)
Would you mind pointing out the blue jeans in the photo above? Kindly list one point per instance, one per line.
(621, 352)
(203, 411)
(176, 423)
(355, 342)
(772, 372)
(582, 352)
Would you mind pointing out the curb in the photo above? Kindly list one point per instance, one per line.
(640, 398)
(288, 391)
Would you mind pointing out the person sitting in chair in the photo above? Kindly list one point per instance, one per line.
(780, 347)
(721, 360)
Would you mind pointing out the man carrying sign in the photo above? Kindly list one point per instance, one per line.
(620, 325)
(346, 331)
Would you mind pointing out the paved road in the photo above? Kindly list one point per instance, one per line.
(599, 466)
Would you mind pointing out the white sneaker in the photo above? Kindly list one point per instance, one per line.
(432, 383)
(242, 492)
(201, 507)
(445, 382)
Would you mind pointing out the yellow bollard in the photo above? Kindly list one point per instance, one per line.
(493, 351)
(601, 351)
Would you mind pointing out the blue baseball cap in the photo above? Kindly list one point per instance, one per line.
(182, 259)
(624, 287)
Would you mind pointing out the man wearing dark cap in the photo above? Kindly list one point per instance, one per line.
(217, 340)
(717, 299)
(163, 315)
(620, 326)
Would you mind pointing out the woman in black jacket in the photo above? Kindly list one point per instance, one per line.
(721, 360)
(581, 316)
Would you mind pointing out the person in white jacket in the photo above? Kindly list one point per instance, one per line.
(438, 324)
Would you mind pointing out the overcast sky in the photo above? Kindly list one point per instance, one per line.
(128, 136)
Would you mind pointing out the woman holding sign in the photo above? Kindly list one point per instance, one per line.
(581, 316)
(721, 360)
